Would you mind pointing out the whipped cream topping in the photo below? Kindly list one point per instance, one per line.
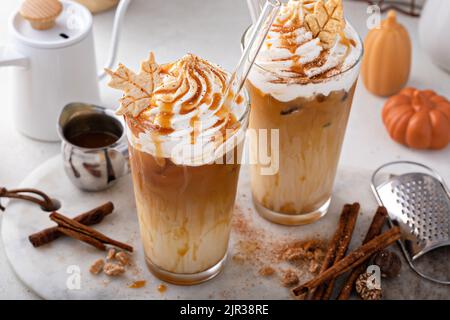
(308, 45)
(180, 110)
(189, 95)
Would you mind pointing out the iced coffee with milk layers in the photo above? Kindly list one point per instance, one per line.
(302, 85)
(184, 135)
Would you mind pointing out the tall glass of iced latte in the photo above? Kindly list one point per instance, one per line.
(184, 140)
(301, 88)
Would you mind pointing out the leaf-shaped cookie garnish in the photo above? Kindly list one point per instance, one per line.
(326, 22)
(137, 88)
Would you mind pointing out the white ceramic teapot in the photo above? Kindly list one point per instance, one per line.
(53, 67)
(434, 31)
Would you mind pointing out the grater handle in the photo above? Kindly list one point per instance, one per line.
(375, 186)
(425, 276)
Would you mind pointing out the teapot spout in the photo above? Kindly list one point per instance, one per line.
(9, 57)
(118, 19)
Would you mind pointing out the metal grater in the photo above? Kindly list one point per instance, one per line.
(418, 201)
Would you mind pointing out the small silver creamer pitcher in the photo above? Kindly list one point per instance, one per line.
(94, 146)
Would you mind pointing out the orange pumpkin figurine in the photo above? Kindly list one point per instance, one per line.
(418, 119)
(387, 58)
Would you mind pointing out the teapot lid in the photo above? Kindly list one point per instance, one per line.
(72, 25)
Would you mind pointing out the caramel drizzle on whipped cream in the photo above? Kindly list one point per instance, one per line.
(180, 95)
(302, 24)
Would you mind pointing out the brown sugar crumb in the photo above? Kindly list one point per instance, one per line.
(109, 267)
(298, 252)
(319, 254)
(113, 269)
(314, 266)
(111, 254)
(162, 288)
(294, 254)
(289, 278)
(97, 266)
(138, 284)
(266, 271)
(123, 258)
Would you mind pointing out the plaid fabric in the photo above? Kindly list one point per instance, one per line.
(408, 7)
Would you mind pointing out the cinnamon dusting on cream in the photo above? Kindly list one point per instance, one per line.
(307, 41)
(182, 102)
(189, 87)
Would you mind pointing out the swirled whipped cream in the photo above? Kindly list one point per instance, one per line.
(307, 50)
(179, 110)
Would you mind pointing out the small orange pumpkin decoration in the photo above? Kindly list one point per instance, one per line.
(418, 119)
(387, 59)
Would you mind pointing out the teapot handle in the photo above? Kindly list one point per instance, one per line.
(118, 18)
(9, 57)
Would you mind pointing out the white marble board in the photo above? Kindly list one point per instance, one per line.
(45, 269)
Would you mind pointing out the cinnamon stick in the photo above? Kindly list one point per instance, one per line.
(75, 226)
(352, 260)
(82, 237)
(343, 246)
(332, 249)
(375, 228)
(88, 218)
(339, 246)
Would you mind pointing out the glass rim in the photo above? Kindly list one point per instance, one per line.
(350, 68)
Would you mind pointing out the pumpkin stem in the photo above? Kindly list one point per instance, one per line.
(391, 18)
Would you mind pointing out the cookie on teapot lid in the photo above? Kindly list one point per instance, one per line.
(41, 13)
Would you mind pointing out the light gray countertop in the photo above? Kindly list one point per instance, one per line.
(211, 29)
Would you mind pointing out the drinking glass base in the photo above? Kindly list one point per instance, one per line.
(186, 279)
(291, 219)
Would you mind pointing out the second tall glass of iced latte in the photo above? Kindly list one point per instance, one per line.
(301, 90)
(184, 135)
